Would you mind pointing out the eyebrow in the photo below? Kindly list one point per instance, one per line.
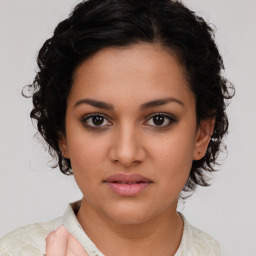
(95, 103)
(107, 106)
(160, 102)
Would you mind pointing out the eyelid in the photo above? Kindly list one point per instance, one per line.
(170, 117)
(88, 116)
(95, 114)
(161, 114)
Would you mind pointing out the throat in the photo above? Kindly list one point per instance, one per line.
(154, 237)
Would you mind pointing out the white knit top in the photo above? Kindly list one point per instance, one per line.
(30, 240)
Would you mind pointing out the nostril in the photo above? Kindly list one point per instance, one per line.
(126, 150)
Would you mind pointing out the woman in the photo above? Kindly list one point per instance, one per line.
(131, 100)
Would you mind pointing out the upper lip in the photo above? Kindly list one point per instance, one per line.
(127, 178)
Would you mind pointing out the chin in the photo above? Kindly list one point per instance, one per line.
(130, 215)
(130, 220)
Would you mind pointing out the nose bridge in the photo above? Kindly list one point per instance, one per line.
(127, 146)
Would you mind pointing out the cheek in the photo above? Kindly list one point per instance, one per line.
(175, 150)
(173, 160)
(86, 152)
(86, 158)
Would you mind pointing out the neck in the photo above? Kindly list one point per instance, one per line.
(160, 235)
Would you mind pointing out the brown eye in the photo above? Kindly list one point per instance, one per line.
(96, 121)
(160, 120)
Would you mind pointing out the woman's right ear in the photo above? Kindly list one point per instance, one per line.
(63, 145)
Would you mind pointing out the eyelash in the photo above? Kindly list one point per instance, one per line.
(169, 118)
(94, 127)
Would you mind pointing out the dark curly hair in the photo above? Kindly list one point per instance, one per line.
(97, 24)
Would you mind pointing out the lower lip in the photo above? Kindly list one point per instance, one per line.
(127, 189)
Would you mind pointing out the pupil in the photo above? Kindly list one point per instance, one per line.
(158, 120)
(97, 120)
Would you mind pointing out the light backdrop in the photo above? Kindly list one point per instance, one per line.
(30, 191)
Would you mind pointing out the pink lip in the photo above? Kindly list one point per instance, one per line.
(127, 184)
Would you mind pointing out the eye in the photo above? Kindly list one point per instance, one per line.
(96, 121)
(160, 120)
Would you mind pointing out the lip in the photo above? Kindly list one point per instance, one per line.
(127, 184)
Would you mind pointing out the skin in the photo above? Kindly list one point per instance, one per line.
(130, 141)
(60, 243)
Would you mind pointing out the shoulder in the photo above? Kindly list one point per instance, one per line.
(202, 242)
(195, 242)
(28, 240)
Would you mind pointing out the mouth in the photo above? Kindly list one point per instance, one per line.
(127, 184)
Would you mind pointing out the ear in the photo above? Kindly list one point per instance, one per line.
(63, 145)
(203, 137)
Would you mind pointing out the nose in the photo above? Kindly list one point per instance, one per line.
(127, 147)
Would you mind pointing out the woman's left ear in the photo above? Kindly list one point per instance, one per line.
(203, 137)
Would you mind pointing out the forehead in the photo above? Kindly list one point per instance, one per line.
(139, 72)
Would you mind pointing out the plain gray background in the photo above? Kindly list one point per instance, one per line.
(30, 191)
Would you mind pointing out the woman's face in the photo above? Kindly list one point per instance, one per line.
(131, 132)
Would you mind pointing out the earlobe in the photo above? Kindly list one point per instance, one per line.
(63, 146)
(203, 137)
